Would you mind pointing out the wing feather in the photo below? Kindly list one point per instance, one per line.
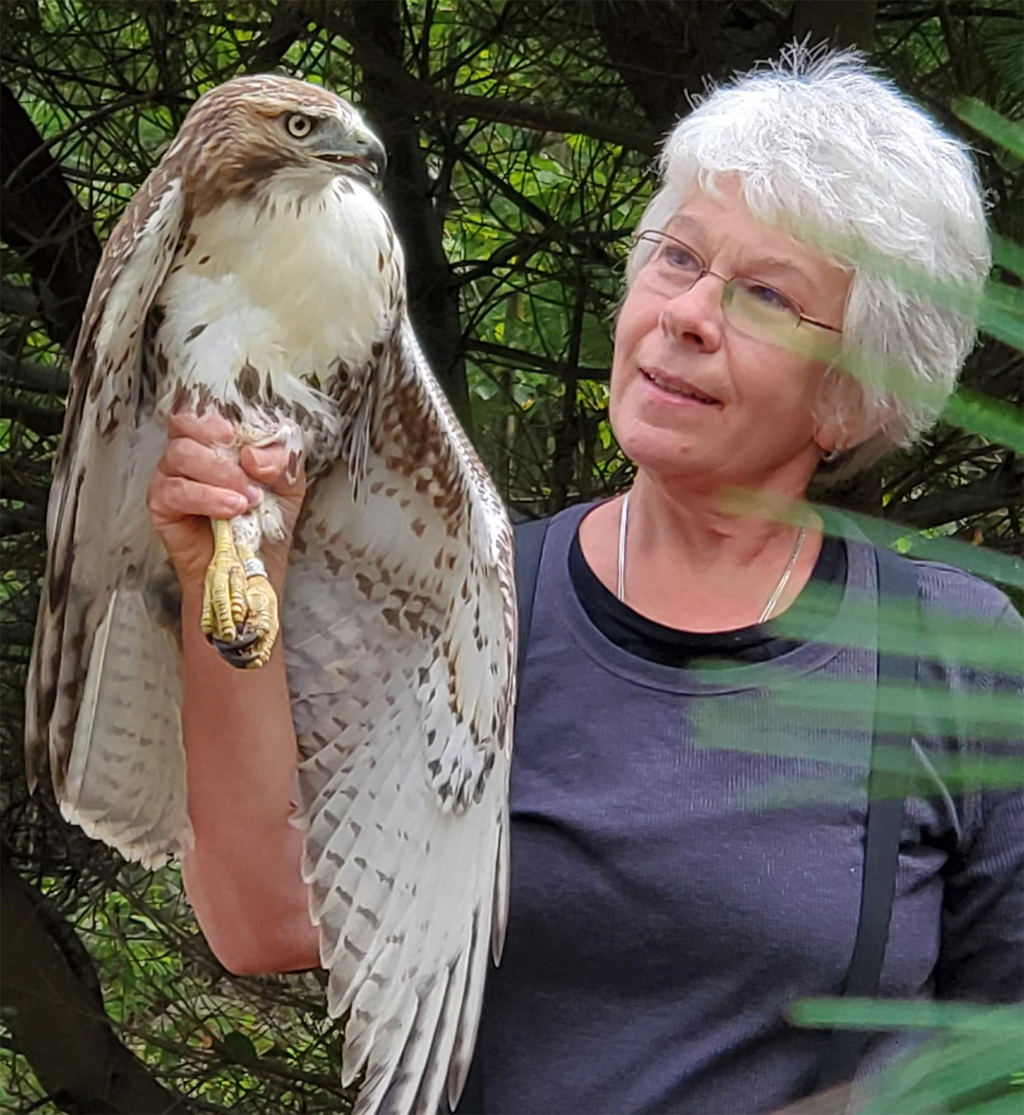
(435, 1071)
(469, 1016)
(117, 768)
(400, 644)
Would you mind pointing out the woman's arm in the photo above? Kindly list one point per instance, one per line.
(982, 953)
(981, 958)
(243, 875)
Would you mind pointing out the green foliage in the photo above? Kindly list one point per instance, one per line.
(973, 1065)
(537, 201)
(1005, 133)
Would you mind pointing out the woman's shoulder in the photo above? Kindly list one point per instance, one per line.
(947, 590)
(967, 710)
(970, 659)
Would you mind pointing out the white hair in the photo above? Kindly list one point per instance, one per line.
(822, 145)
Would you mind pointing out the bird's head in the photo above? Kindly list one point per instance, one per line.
(267, 129)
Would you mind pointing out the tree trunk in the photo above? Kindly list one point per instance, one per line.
(665, 50)
(433, 297)
(651, 47)
(53, 1005)
(567, 432)
(41, 220)
(841, 23)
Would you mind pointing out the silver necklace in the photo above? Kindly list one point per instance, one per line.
(772, 600)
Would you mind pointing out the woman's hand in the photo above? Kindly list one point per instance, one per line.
(198, 479)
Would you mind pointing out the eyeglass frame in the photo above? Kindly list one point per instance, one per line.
(646, 235)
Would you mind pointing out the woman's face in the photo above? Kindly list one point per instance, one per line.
(761, 420)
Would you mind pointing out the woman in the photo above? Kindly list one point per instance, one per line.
(659, 924)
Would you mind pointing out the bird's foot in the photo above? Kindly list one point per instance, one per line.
(239, 604)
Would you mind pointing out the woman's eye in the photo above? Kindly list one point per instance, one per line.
(298, 125)
(770, 297)
(680, 258)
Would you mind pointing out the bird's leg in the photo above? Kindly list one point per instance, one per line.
(224, 605)
(239, 605)
(261, 618)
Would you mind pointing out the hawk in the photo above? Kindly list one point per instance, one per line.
(256, 273)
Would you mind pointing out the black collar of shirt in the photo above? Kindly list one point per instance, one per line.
(668, 646)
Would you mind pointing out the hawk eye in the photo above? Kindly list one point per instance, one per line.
(298, 125)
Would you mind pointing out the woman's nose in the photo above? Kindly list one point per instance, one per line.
(694, 317)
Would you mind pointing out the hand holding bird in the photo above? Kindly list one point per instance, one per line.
(193, 482)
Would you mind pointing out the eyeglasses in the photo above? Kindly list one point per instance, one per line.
(753, 308)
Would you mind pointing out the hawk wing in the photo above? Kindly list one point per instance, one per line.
(400, 628)
(116, 761)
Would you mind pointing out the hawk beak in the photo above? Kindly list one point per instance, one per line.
(357, 153)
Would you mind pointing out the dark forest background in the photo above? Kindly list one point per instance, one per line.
(520, 135)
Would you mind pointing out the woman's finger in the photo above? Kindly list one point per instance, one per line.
(210, 428)
(174, 497)
(279, 468)
(195, 461)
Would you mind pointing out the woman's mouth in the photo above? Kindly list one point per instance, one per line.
(677, 389)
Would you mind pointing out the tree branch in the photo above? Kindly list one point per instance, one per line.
(286, 25)
(21, 520)
(541, 119)
(993, 492)
(41, 220)
(18, 300)
(45, 421)
(424, 95)
(519, 358)
(32, 376)
(53, 1004)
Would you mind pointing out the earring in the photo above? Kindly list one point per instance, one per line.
(833, 455)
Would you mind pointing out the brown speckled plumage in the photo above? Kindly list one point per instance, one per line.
(247, 277)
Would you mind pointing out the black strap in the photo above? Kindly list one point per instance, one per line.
(897, 582)
(529, 540)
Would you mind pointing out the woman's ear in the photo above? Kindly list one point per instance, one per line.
(844, 418)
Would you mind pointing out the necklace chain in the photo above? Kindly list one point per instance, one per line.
(772, 600)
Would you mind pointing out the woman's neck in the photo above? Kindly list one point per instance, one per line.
(690, 561)
(705, 528)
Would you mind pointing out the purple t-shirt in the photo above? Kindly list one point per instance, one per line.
(665, 910)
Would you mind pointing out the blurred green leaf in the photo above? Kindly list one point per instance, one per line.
(1007, 254)
(977, 774)
(993, 419)
(880, 1014)
(1007, 133)
(992, 566)
(972, 1066)
(963, 1072)
(943, 637)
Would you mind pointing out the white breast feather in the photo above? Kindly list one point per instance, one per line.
(324, 295)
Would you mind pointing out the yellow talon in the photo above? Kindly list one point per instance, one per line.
(262, 619)
(240, 615)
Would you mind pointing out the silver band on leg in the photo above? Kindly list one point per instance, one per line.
(254, 567)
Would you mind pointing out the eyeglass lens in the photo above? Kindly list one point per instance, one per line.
(749, 306)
